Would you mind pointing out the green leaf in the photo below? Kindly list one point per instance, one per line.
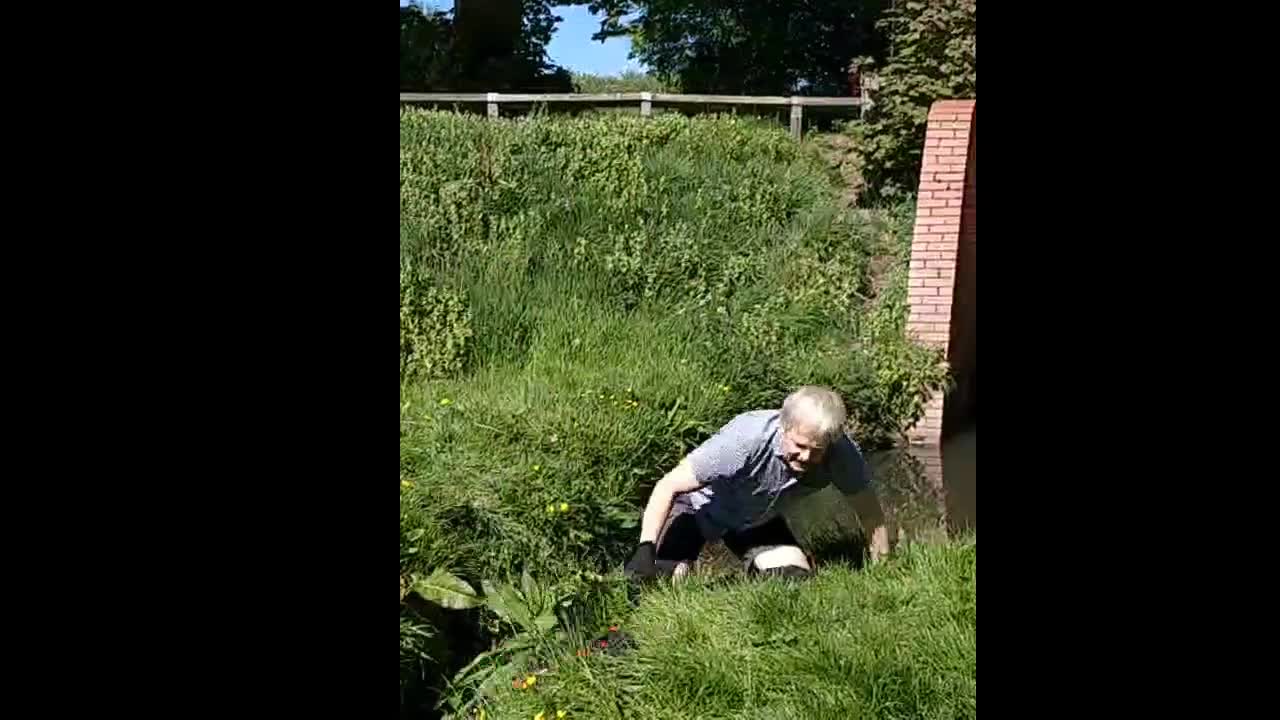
(447, 590)
(546, 621)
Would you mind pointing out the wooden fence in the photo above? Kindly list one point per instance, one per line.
(646, 100)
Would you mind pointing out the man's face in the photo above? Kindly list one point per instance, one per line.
(802, 449)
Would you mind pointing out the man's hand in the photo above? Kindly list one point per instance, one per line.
(879, 545)
(871, 518)
(641, 566)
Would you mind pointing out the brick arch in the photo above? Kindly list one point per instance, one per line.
(942, 284)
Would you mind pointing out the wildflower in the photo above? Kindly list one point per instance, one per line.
(530, 681)
(480, 715)
(628, 391)
(446, 401)
(405, 483)
(613, 628)
(551, 508)
(553, 438)
(604, 643)
(724, 388)
(536, 468)
(561, 713)
(564, 507)
(540, 715)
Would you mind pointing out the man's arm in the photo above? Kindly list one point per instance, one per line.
(853, 478)
(677, 481)
(871, 517)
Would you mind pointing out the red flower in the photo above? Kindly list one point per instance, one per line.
(604, 643)
(613, 628)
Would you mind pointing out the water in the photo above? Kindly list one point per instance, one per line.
(928, 492)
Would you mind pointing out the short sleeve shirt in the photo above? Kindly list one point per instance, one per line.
(743, 476)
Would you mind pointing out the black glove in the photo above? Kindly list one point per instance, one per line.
(642, 565)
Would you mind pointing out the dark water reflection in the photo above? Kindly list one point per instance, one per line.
(928, 492)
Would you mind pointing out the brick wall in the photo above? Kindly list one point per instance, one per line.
(942, 287)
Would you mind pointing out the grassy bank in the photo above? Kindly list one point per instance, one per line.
(585, 300)
(895, 641)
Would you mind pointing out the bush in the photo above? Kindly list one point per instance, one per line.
(934, 58)
(626, 82)
(435, 327)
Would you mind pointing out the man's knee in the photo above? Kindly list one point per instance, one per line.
(788, 571)
(783, 561)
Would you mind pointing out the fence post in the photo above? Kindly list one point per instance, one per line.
(492, 99)
(646, 104)
(796, 117)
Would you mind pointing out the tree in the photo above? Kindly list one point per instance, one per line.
(748, 47)
(486, 45)
(934, 58)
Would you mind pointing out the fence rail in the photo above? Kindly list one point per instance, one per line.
(647, 100)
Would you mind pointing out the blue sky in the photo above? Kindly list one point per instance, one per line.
(571, 45)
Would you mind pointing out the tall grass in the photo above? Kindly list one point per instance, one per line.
(894, 641)
(585, 300)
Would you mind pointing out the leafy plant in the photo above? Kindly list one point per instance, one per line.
(528, 615)
(435, 327)
(934, 57)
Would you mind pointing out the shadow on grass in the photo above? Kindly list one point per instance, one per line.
(847, 549)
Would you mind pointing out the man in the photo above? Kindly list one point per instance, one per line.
(729, 489)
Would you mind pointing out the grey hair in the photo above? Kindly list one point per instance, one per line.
(816, 408)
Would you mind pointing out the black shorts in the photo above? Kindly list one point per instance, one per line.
(683, 541)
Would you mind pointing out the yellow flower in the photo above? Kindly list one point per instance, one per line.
(539, 716)
(405, 483)
(551, 508)
(446, 401)
(536, 468)
(561, 713)
(564, 507)
(530, 681)
(480, 715)
(628, 391)
(724, 388)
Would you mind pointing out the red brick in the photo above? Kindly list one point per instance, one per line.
(931, 141)
(921, 291)
(934, 186)
(956, 177)
(953, 211)
(948, 194)
(926, 256)
(937, 282)
(952, 203)
(915, 282)
(918, 263)
(939, 264)
(931, 203)
(962, 125)
(941, 134)
(926, 195)
(952, 159)
(951, 143)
